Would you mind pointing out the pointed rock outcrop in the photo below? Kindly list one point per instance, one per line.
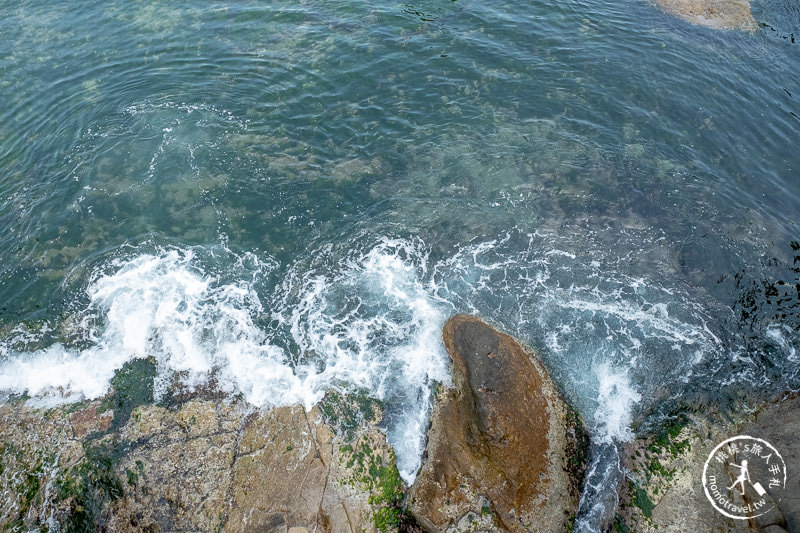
(504, 450)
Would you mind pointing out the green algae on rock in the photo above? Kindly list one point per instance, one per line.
(201, 464)
(665, 491)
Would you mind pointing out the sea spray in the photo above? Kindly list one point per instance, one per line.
(616, 399)
(373, 323)
(160, 305)
(368, 321)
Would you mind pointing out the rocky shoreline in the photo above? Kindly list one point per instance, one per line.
(504, 453)
(665, 491)
(205, 465)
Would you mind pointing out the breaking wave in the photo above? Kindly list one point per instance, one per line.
(367, 315)
(372, 324)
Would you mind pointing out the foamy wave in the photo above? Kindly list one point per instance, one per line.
(160, 306)
(616, 398)
(368, 322)
(373, 323)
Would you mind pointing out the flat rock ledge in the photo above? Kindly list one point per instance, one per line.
(205, 465)
(504, 453)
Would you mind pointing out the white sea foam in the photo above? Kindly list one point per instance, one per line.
(616, 398)
(164, 306)
(374, 324)
(782, 335)
(368, 323)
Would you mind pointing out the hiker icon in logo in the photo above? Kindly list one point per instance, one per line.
(744, 475)
(753, 467)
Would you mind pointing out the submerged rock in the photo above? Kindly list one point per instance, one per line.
(718, 14)
(504, 450)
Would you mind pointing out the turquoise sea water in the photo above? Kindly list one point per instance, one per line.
(292, 197)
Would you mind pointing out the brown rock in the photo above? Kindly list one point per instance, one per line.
(292, 473)
(200, 466)
(279, 474)
(779, 424)
(773, 529)
(718, 14)
(35, 446)
(87, 420)
(497, 447)
(176, 469)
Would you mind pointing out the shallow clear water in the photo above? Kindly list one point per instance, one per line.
(295, 197)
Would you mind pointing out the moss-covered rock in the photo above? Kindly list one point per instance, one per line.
(665, 492)
(124, 464)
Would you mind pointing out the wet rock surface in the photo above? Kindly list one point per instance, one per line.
(665, 489)
(503, 453)
(205, 465)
